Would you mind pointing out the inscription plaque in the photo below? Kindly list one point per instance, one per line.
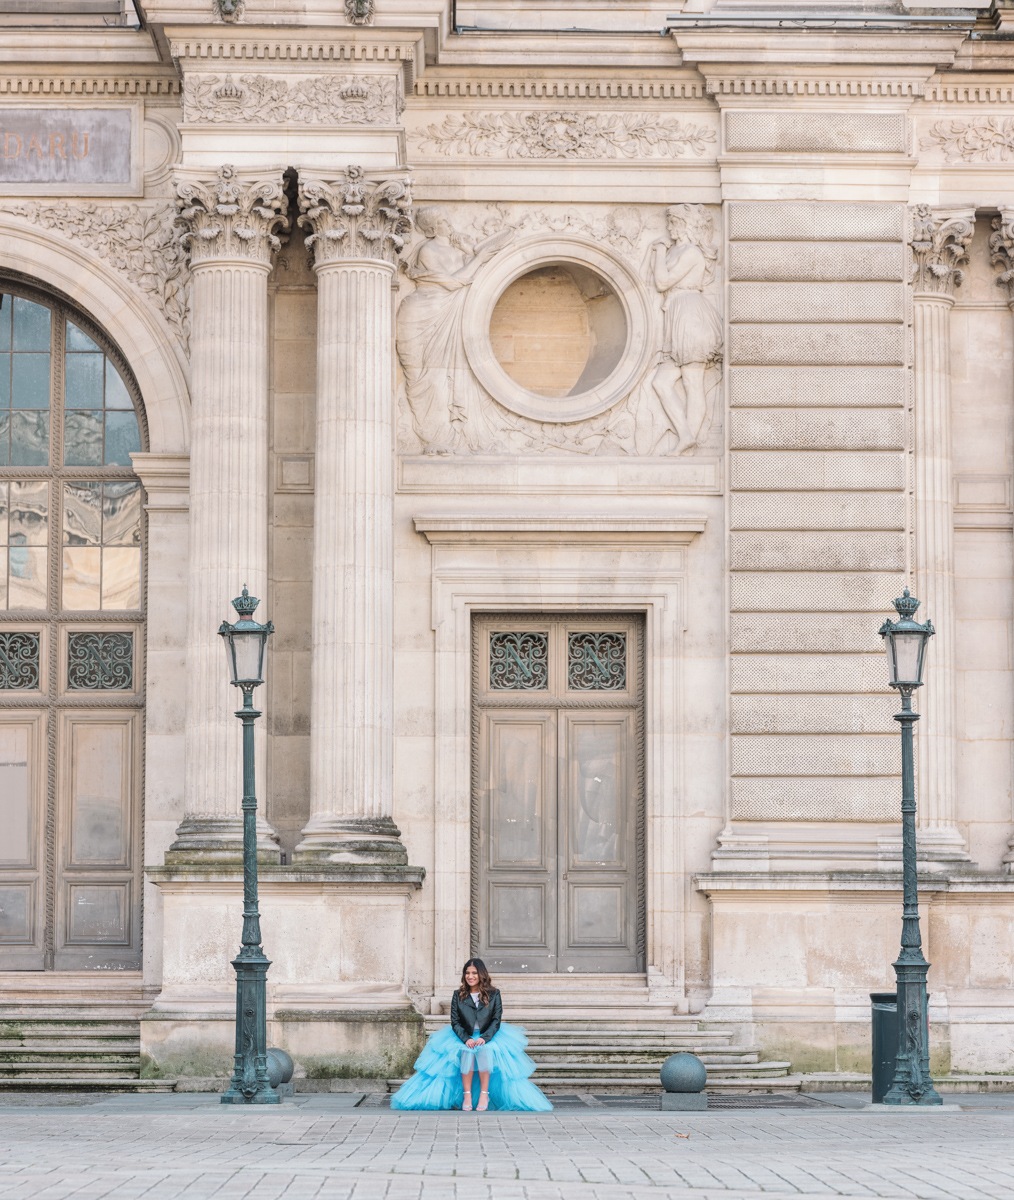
(80, 147)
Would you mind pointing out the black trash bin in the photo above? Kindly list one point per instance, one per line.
(885, 1042)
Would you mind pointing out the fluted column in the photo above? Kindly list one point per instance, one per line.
(1001, 246)
(229, 223)
(939, 246)
(357, 224)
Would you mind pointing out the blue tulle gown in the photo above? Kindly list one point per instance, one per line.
(437, 1079)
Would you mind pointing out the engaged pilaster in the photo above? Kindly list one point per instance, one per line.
(359, 224)
(230, 223)
(940, 238)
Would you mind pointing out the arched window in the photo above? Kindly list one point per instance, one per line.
(71, 640)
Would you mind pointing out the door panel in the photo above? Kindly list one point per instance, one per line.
(556, 806)
(22, 812)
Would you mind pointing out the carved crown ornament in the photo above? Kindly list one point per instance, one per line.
(940, 239)
(320, 100)
(356, 216)
(230, 216)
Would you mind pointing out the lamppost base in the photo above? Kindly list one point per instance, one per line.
(267, 1097)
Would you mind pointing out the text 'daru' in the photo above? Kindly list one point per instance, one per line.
(61, 146)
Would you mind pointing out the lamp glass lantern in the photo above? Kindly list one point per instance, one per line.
(905, 641)
(245, 643)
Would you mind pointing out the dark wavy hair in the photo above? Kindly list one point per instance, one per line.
(485, 983)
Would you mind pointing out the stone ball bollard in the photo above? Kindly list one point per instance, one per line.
(683, 1077)
(280, 1068)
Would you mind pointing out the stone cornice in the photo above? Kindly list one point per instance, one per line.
(239, 44)
(504, 85)
(231, 215)
(38, 84)
(757, 49)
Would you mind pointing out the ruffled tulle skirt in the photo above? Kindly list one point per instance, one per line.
(437, 1079)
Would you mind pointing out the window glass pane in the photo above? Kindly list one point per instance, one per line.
(82, 573)
(3, 512)
(82, 439)
(5, 381)
(77, 339)
(27, 576)
(30, 381)
(121, 514)
(5, 321)
(82, 514)
(117, 395)
(30, 439)
(31, 325)
(29, 512)
(121, 578)
(122, 437)
(5, 438)
(84, 381)
(3, 577)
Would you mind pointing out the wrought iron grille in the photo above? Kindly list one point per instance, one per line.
(19, 661)
(100, 662)
(597, 662)
(519, 661)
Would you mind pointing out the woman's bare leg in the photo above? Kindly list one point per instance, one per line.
(483, 1090)
(665, 384)
(466, 1084)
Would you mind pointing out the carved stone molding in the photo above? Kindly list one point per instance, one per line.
(356, 216)
(230, 216)
(139, 241)
(940, 238)
(575, 135)
(321, 100)
(1001, 250)
(980, 139)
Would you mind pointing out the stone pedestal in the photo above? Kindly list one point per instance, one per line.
(230, 222)
(336, 1000)
(357, 229)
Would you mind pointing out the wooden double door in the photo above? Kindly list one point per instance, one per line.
(557, 814)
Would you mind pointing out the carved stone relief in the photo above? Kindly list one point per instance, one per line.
(139, 241)
(981, 139)
(940, 239)
(545, 135)
(671, 407)
(321, 100)
(234, 214)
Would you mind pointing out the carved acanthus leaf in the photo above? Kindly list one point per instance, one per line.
(356, 216)
(565, 135)
(230, 216)
(983, 139)
(940, 239)
(1001, 249)
(139, 241)
(322, 100)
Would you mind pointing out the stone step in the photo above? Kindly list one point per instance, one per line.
(74, 1082)
(649, 1057)
(126, 1068)
(68, 1054)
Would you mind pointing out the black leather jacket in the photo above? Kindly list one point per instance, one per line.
(464, 1014)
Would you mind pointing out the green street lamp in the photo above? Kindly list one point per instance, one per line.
(245, 643)
(905, 641)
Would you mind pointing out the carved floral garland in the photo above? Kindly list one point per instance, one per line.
(565, 135)
(140, 242)
(988, 139)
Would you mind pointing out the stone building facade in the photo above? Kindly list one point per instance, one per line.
(577, 384)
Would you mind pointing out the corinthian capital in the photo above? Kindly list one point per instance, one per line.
(940, 238)
(1001, 254)
(356, 216)
(232, 215)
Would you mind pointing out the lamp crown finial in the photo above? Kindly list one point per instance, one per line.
(906, 605)
(246, 604)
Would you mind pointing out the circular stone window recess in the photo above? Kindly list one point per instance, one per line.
(557, 329)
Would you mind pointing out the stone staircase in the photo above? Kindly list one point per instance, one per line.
(607, 1034)
(72, 1033)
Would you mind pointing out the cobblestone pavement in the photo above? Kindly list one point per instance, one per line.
(322, 1148)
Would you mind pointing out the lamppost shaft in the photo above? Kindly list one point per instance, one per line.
(250, 1083)
(912, 1083)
